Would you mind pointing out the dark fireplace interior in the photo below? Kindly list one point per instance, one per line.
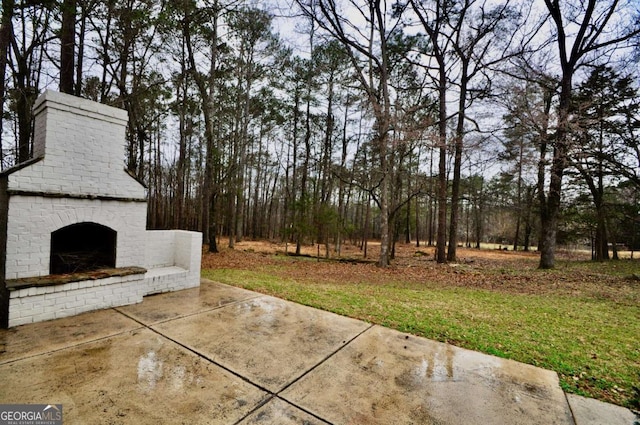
(82, 247)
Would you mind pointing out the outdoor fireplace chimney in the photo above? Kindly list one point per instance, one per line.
(74, 208)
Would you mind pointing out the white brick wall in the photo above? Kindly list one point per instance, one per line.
(37, 304)
(31, 220)
(173, 259)
(83, 147)
(160, 248)
(173, 247)
(52, 302)
(188, 249)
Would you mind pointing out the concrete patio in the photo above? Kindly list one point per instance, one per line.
(223, 355)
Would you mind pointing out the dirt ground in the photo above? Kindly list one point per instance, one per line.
(504, 271)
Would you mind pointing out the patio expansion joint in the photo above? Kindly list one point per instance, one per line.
(276, 394)
(79, 344)
(256, 408)
(333, 353)
(206, 310)
(311, 369)
(271, 397)
(199, 354)
(573, 415)
(270, 394)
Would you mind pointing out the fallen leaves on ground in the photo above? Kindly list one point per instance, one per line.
(495, 270)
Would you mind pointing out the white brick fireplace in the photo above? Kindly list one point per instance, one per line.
(73, 232)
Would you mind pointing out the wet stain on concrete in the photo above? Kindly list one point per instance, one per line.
(269, 341)
(390, 378)
(38, 338)
(137, 378)
(162, 307)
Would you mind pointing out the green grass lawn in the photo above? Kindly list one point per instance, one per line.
(591, 340)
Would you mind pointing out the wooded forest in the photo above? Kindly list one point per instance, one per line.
(441, 123)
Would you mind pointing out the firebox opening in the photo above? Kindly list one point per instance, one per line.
(82, 247)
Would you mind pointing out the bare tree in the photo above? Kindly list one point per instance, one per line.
(475, 38)
(27, 52)
(598, 117)
(433, 22)
(465, 43)
(206, 84)
(581, 30)
(368, 53)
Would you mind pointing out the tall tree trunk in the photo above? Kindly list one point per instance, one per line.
(614, 246)
(67, 46)
(602, 241)
(81, 44)
(441, 231)
(467, 212)
(431, 202)
(365, 232)
(479, 214)
(234, 172)
(516, 238)
(256, 188)
(302, 211)
(341, 184)
(545, 220)
(184, 127)
(242, 158)
(457, 165)
(24, 104)
(106, 62)
(383, 135)
(325, 182)
(528, 228)
(407, 224)
(550, 211)
(6, 33)
(206, 87)
(417, 221)
(291, 228)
